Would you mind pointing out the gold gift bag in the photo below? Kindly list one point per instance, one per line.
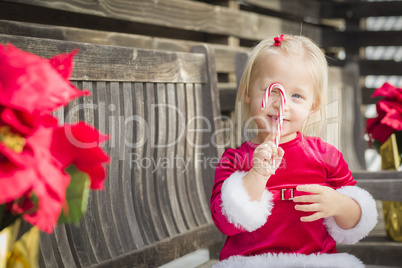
(21, 253)
(391, 160)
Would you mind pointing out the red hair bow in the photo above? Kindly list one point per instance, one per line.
(278, 40)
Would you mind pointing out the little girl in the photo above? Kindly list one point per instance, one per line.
(287, 206)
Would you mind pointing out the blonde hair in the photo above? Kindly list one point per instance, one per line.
(291, 45)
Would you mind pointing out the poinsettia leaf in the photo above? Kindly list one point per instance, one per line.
(76, 196)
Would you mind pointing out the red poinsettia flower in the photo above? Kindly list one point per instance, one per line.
(51, 181)
(34, 149)
(29, 168)
(389, 110)
(78, 144)
(34, 160)
(34, 84)
(389, 91)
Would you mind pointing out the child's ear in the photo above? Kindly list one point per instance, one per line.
(313, 109)
(247, 98)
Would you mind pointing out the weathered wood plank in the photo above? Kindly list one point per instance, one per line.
(161, 160)
(296, 8)
(380, 67)
(224, 59)
(376, 252)
(149, 180)
(360, 9)
(181, 152)
(189, 155)
(194, 16)
(127, 181)
(173, 117)
(93, 112)
(104, 204)
(373, 67)
(108, 63)
(202, 141)
(141, 136)
(384, 185)
(355, 39)
(368, 175)
(118, 191)
(46, 256)
(62, 243)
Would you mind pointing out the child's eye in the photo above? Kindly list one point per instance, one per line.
(296, 96)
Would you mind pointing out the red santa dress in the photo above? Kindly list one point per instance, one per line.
(270, 229)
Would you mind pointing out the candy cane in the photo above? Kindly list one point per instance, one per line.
(280, 112)
(281, 107)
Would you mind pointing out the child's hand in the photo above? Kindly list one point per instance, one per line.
(267, 157)
(324, 201)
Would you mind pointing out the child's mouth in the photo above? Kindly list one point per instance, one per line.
(275, 118)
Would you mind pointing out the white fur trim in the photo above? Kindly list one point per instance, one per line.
(237, 207)
(368, 219)
(290, 260)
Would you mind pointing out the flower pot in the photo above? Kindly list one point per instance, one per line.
(391, 160)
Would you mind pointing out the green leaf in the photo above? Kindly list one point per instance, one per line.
(76, 196)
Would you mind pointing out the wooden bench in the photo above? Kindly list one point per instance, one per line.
(345, 128)
(161, 109)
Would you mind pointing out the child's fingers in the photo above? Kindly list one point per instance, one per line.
(273, 148)
(275, 152)
(272, 135)
(264, 154)
(311, 188)
(312, 198)
(308, 208)
(281, 152)
(316, 216)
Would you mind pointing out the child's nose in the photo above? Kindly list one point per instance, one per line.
(277, 105)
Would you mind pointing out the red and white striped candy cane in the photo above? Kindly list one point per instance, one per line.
(281, 107)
